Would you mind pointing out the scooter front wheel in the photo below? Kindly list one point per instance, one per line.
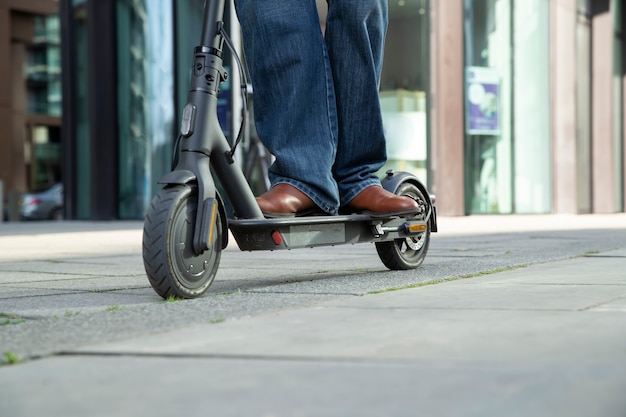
(172, 266)
(409, 252)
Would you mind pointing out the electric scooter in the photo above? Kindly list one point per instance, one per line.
(187, 227)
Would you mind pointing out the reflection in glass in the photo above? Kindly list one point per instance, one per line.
(146, 100)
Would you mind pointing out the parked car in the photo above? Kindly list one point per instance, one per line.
(44, 205)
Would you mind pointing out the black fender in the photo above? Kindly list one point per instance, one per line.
(393, 180)
(184, 177)
(222, 210)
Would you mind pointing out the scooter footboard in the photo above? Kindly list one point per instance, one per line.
(303, 232)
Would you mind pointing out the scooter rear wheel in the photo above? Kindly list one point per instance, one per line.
(172, 267)
(410, 252)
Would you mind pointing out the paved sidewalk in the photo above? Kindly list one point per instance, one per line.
(543, 339)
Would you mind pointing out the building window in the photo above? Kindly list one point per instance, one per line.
(488, 125)
(404, 87)
(507, 102)
(42, 70)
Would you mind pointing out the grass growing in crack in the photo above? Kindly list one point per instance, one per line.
(427, 283)
(172, 298)
(113, 308)
(9, 319)
(493, 271)
(9, 358)
(416, 285)
(216, 320)
(71, 313)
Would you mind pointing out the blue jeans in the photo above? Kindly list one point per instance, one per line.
(315, 95)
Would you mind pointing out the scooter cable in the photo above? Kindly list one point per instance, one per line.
(244, 95)
(175, 151)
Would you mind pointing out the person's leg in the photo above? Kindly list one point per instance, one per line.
(355, 34)
(293, 95)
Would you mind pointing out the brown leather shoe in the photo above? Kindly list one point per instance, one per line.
(285, 200)
(378, 201)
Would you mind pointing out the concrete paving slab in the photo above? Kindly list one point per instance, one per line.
(497, 296)
(157, 386)
(59, 302)
(69, 245)
(17, 292)
(588, 270)
(17, 278)
(618, 306)
(81, 283)
(95, 266)
(465, 336)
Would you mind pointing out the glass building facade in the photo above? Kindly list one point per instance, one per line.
(145, 97)
(141, 64)
(126, 71)
(143, 49)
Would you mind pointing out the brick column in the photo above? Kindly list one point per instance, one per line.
(446, 106)
(603, 178)
(563, 80)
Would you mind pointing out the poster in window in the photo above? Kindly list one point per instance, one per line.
(482, 101)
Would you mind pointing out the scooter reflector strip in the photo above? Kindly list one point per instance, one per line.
(415, 228)
(212, 224)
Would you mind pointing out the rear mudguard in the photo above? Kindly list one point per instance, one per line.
(392, 182)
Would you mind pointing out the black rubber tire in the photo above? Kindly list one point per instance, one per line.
(408, 253)
(172, 267)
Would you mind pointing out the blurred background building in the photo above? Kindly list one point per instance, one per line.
(500, 106)
(30, 97)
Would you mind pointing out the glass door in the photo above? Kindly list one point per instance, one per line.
(488, 82)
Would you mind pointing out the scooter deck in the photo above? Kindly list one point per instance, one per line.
(301, 232)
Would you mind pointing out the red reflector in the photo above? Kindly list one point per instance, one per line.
(277, 238)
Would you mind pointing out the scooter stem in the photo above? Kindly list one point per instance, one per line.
(203, 142)
(213, 17)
